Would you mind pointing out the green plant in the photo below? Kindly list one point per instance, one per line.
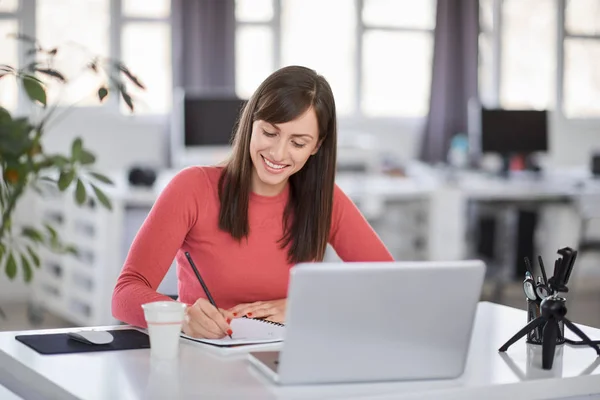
(25, 165)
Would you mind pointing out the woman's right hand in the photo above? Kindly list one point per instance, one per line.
(203, 320)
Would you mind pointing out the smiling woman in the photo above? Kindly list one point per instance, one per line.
(272, 205)
(277, 152)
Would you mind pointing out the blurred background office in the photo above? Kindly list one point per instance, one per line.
(467, 128)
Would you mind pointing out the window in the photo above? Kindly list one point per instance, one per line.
(143, 42)
(581, 87)
(9, 52)
(488, 69)
(397, 57)
(9, 6)
(528, 59)
(377, 56)
(62, 24)
(254, 44)
(329, 48)
(521, 71)
(528, 63)
(146, 51)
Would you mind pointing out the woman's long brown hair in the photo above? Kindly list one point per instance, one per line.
(283, 96)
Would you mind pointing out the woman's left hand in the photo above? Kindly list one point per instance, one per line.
(273, 310)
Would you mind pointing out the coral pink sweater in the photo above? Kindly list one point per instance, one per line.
(185, 218)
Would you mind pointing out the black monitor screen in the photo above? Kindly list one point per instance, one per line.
(513, 131)
(210, 121)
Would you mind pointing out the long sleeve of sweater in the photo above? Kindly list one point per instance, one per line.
(352, 238)
(156, 244)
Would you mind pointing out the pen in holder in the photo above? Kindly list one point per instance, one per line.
(535, 336)
(547, 310)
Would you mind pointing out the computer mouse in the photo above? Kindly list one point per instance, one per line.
(92, 337)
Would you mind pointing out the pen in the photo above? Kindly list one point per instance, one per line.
(543, 270)
(528, 266)
(212, 301)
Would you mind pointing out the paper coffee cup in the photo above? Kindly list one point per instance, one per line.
(165, 320)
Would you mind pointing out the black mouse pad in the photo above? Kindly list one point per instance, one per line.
(61, 343)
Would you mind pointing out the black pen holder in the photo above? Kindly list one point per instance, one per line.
(536, 335)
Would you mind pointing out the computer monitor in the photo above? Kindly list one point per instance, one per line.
(509, 132)
(210, 121)
(202, 126)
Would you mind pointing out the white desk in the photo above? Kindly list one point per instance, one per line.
(200, 373)
(6, 394)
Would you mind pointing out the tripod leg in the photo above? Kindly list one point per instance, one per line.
(528, 328)
(549, 343)
(583, 336)
(580, 343)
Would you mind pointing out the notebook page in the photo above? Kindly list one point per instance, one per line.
(247, 331)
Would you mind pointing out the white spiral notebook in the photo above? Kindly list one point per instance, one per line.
(247, 331)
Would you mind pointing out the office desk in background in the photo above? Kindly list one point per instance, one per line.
(200, 372)
(421, 217)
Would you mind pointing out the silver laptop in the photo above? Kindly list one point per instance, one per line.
(376, 321)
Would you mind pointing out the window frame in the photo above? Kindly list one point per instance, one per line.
(357, 113)
(561, 36)
(26, 19)
(118, 21)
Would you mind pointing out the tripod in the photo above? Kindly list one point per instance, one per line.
(553, 311)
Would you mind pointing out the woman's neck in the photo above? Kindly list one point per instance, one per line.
(262, 189)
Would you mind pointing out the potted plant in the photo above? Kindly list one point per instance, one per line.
(25, 165)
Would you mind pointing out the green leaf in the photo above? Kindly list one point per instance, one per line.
(86, 157)
(131, 77)
(34, 89)
(80, 194)
(76, 149)
(33, 234)
(52, 232)
(2, 250)
(14, 136)
(59, 161)
(4, 115)
(93, 65)
(70, 250)
(6, 68)
(102, 93)
(123, 90)
(27, 273)
(53, 73)
(102, 198)
(65, 179)
(101, 178)
(128, 101)
(34, 256)
(11, 267)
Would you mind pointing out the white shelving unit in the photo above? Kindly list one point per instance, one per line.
(78, 288)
